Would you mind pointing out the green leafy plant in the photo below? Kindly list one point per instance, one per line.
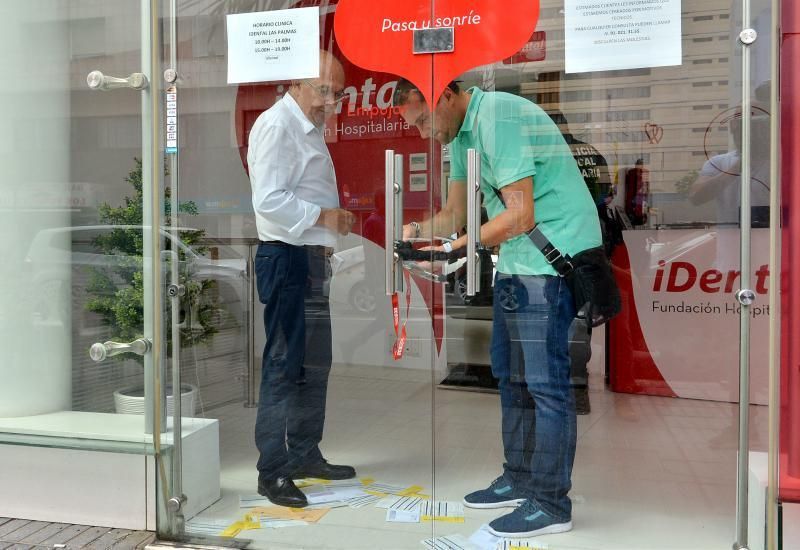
(117, 288)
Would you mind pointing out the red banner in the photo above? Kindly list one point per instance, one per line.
(378, 36)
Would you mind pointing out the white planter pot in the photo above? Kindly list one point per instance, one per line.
(131, 400)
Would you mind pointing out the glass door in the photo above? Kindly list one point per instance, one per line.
(80, 204)
(287, 328)
(637, 419)
(467, 397)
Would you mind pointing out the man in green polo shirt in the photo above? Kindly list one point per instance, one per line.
(524, 160)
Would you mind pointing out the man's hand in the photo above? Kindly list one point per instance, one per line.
(336, 219)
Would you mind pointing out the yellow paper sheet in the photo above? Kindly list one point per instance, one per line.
(410, 491)
(308, 482)
(238, 526)
(444, 518)
(281, 512)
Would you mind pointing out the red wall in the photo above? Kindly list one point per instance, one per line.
(790, 253)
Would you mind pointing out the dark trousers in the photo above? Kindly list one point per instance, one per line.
(530, 359)
(292, 285)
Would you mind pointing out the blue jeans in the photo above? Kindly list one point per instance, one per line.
(292, 285)
(530, 358)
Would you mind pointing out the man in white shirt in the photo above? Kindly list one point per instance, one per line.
(296, 205)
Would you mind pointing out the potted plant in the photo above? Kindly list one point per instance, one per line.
(116, 287)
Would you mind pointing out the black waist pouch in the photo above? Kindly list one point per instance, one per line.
(593, 287)
(589, 277)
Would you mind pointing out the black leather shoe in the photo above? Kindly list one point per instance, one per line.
(282, 491)
(323, 470)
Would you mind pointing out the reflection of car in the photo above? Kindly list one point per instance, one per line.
(352, 282)
(65, 256)
(457, 280)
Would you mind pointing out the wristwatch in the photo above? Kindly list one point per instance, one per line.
(447, 246)
(416, 227)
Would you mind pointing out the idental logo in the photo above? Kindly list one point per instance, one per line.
(383, 99)
(683, 276)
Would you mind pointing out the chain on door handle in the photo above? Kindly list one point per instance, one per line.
(98, 81)
(100, 351)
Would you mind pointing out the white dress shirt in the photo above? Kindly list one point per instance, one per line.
(291, 175)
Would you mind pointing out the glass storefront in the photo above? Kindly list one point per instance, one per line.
(135, 264)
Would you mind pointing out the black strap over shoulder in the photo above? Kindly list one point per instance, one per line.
(560, 262)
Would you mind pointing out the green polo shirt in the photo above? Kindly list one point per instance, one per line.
(516, 139)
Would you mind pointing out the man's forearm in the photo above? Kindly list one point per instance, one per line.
(442, 224)
(498, 230)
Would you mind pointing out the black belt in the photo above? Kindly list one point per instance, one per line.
(314, 248)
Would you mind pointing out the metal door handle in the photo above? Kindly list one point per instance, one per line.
(99, 352)
(98, 81)
(394, 213)
(473, 221)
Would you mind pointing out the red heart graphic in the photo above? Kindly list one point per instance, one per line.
(654, 132)
(375, 36)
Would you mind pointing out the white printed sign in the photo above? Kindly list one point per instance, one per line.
(273, 45)
(603, 35)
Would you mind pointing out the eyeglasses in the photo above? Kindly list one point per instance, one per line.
(326, 92)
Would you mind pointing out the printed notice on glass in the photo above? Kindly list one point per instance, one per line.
(604, 35)
(273, 45)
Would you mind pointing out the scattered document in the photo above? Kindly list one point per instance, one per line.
(442, 510)
(450, 542)
(211, 527)
(325, 495)
(483, 539)
(399, 503)
(273, 523)
(281, 512)
(360, 502)
(403, 516)
(251, 501)
(521, 544)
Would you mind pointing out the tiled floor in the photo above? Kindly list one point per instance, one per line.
(650, 472)
(22, 534)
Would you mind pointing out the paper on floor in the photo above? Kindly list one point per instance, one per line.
(442, 510)
(281, 512)
(521, 544)
(207, 526)
(324, 495)
(251, 501)
(309, 481)
(273, 523)
(483, 539)
(386, 488)
(399, 503)
(450, 542)
(238, 526)
(360, 502)
(403, 516)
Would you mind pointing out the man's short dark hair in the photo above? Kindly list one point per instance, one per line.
(405, 87)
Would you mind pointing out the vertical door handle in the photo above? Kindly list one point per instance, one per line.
(473, 221)
(394, 220)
